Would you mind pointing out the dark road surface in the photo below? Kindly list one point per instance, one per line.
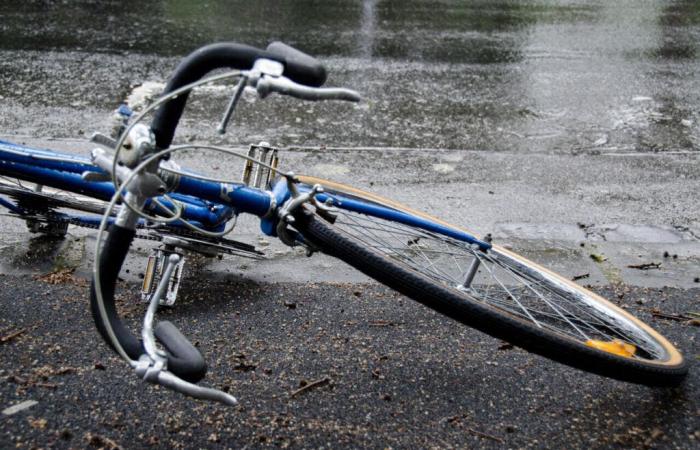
(398, 375)
(564, 128)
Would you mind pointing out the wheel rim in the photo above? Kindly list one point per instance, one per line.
(505, 283)
(50, 200)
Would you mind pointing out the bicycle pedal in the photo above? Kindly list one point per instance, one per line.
(153, 274)
(256, 175)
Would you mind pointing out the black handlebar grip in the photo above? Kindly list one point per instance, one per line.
(218, 56)
(298, 63)
(112, 257)
(181, 351)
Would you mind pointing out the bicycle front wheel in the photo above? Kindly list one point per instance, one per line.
(495, 291)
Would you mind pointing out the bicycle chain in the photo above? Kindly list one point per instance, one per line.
(148, 234)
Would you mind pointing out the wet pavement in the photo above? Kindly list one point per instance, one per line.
(546, 76)
(397, 375)
(566, 129)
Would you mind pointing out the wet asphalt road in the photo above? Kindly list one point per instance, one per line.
(549, 124)
(398, 375)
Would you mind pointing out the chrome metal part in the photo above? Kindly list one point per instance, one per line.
(471, 271)
(262, 173)
(248, 167)
(297, 199)
(232, 104)
(152, 366)
(154, 372)
(269, 84)
(172, 382)
(95, 177)
(126, 218)
(149, 339)
(103, 140)
(140, 141)
(168, 172)
(256, 174)
(163, 274)
(143, 184)
(264, 67)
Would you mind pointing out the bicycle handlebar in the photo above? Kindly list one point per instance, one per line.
(296, 74)
(298, 67)
(184, 360)
(285, 86)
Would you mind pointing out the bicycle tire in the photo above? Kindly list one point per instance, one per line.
(664, 368)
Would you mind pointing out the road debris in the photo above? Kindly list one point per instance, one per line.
(96, 440)
(63, 276)
(314, 384)
(381, 323)
(645, 266)
(691, 317)
(14, 334)
(19, 407)
(484, 435)
(598, 258)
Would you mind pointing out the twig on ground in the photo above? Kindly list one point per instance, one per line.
(313, 384)
(645, 266)
(485, 435)
(675, 317)
(12, 335)
(381, 323)
(662, 315)
(96, 440)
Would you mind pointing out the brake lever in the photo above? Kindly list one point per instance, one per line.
(152, 366)
(154, 372)
(242, 83)
(268, 84)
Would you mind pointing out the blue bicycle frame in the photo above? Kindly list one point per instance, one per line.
(207, 204)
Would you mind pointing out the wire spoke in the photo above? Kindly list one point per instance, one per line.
(499, 282)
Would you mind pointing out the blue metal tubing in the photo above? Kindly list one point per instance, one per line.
(61, 180)
(95, 221)
(10, 152)
(383, 212)
(27, 164)
(239, 196)
(212, 215)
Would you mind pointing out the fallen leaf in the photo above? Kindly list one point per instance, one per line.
(598, 258)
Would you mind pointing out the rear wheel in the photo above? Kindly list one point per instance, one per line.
(48, 211)
(495, 291)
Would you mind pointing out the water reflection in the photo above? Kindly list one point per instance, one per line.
(681, 15)
(368, 27)
(538, 75)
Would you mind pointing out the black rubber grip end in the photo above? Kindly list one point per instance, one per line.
(183, 354)
(299, 66)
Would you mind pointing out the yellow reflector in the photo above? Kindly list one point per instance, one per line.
(615, 347)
